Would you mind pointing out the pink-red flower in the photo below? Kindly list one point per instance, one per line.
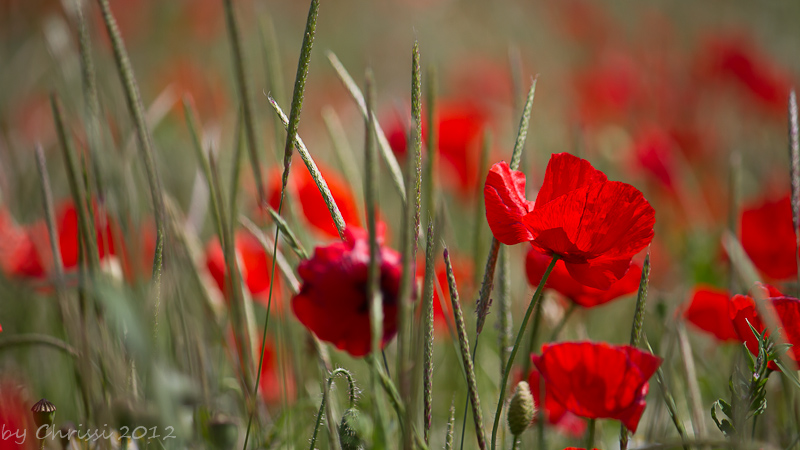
(333, 302)
(786, 310)
(562, 282)
(14, 418)
(594, 225)
(768, 237)
(708, 311)
(598, 380)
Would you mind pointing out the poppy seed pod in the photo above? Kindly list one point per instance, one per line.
(522, 409)
(44, 413)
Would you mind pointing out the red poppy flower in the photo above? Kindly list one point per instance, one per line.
(737, 59)
(608, 90)
(270, 384)
(314, 209)
(18, 257)
(768, 237)
(708, 311)
(556, 415)
(743, 309)
(596, 226)
(14, 413)
(442, 311)
(333, 303)
(254, 263)
(460, 126)
(561, 281)
(598, 380)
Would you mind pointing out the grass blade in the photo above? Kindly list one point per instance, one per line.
(383, 142)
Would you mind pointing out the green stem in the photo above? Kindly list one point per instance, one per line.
(535, 300)
(590, 435)
(562, 322)
(352, 391)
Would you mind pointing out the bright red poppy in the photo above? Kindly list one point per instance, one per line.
(708, 312)
(768, 237)
(442, 309)
(562, 282)
(14, 418)
(786, 310)
(270, 384)
(460, 125)
(302, 187)
(333, 302)
(255, 266)
(596, 226)
(598, 380)
(556, 415)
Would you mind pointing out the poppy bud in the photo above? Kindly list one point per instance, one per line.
(223, 432)
(349, 429)
(44, 413)
(522, 409)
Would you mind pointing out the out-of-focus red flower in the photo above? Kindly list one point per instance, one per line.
(708, 311)
(768, 237)
(596, 226)
(333, 302)
(653, 148)
(554, 412)
(786, 310)
(270, 384)
(18, 256)
(254, 264)
(608, 90)
(302, 186)
(561, 281)
(598, 380)
(460, 126)
(463, 271)
(14, 418)
(735, 58)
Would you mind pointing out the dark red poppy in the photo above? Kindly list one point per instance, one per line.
(561, 281)
(598, 380)
(708, 312)
(596, 226)
(332, 302)
(255, 266)
(786, 310)
(768, 237)
(554, 412)
(315, 211)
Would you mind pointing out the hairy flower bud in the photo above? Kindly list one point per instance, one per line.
(522, 409)
(349, 434)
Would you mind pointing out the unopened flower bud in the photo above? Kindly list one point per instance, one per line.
(348, 430)
(44, 413)
(522, 409)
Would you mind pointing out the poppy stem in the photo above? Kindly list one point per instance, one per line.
(563, 321)
(535, 300)
(590, 434)
(515, 445)
(352, 391)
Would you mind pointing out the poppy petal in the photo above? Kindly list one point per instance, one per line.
(566, 173)
(506, 205)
